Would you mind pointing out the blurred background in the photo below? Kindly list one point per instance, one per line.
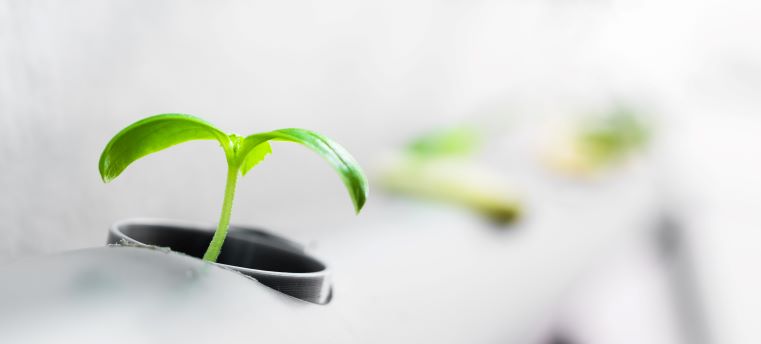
(612, 146)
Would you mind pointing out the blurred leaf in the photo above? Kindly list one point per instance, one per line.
(455, 141)
(431, 168)
(452, 181)
(597, 142)
(613, 136)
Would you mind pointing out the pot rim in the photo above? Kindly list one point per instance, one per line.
(195, 226)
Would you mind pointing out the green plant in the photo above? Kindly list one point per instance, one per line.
(611, 136)
(439, 166)
(593, 144)
(159, 132)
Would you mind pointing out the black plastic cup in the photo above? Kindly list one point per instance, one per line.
(274, 261)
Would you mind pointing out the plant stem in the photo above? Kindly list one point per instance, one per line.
(215, 247)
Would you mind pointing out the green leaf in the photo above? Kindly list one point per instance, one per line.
(613, 135)
(153, 134)
(254, 157)
(348, 168)
(456, 141)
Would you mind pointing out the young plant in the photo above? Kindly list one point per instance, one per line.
(438, 166)
(156, 133)
(599, 141)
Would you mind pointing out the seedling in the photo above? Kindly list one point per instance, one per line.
(599, 141)
(438, 166)
(159, 132)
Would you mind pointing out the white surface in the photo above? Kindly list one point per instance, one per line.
(721, 188)
(415, 271)
(133, 295)
(626, 299)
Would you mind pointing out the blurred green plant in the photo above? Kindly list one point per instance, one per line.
(159, 132)
(611, 137)
(600, 141)
(463, 140)
(438, 167)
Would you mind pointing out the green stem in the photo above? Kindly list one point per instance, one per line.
(215, 247)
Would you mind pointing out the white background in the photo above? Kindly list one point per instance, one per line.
(370, 75)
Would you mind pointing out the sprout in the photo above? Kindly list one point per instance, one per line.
(159, 132)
